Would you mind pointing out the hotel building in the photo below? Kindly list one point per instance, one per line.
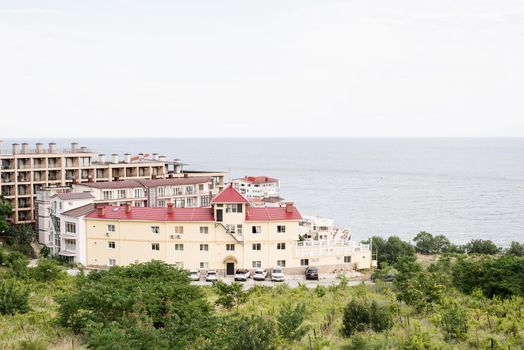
(23, 171)
(229, 234)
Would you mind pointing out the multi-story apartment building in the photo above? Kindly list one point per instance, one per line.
(23, 171)
(195, 191)
(229, 234)
(257, 187)
(52, 201)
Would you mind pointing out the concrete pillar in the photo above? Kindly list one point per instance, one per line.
(52, 147)
(39, 148)
(15, 148)
(25, 148)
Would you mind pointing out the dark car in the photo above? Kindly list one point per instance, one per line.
(312, 273)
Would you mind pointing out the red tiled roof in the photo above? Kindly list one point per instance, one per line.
(154, 214)
(73, 195)
(271, 214)
(229, 195)
(258, 179)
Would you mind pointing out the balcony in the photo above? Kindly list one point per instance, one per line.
(7, 179)
(7, 166)
(328, 248)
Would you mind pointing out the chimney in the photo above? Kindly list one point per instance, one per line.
(25, 148)
(15, 148)
(114, 158)
(162, 158)
(52, 147)
(289, 207)
(39, 147)
(170, 208)
(155, 156)
(127, 158)
(128, 208)
(102, 158)
(100, 211)
(74, 146)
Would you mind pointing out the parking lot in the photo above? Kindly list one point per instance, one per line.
(292, 281)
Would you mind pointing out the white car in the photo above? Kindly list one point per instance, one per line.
(242, 275)
(194, 275)
(212, 276)
(277, 274)
(260, 275)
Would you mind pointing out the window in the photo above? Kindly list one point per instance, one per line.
(239, 229)
(112, 262)
(204, 247)
(230, 247)
(161, 204)
(257, 246)
(204, 265)
(233, 208)
(179, 247)
(281, 246)
(138, 193)
(155, 246)
(230, 228)
(281, 263)
(179, 264)
(179, 229)
(256, 264)
(204, 230)
(256, 229)
(108, 194)
(204, 201)
(347, 259)
(111, 245)
(155, 229)
(111, 228)
(281, 228)
(161, 191)
(70, 227)
(121, 194)
(304, 262)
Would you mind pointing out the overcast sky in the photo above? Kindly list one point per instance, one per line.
(261, 68)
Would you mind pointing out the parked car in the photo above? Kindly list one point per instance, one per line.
(212, 276)
(194, 275)
(277, 274)
(311, 273)
(242, 275)
(260, 275)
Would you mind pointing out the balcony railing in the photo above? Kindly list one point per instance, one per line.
(328, 248)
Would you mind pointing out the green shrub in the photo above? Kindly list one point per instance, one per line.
(320, 290)
(32, 345)
(248, 333)
(454, 323)
(360, 316)
(481, 246)
(290, 321)
(17, 263)
(14, 298)
(134, 300)
(48, 271)
(229, 295)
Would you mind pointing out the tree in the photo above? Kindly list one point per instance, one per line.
(424, 243)
(290, 320)
(150, 299)
(391, 250)
(454, 323)
(417, 288)
(13, 298)
(17, 262)
(516, 249)
(441, 244)
(481, 246)
(229, 295)
(6, 208)
(359, 316)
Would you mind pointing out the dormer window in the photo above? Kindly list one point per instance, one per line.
(233, 208)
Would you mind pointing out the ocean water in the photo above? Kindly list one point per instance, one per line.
(462, 188)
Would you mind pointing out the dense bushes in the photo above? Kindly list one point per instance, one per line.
(126, 305)
(391, 250)
(502, 276)
(481, 246)
(14, 298)
(290, 321)
(360, 315)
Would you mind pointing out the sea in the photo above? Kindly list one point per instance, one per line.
(464, 188)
